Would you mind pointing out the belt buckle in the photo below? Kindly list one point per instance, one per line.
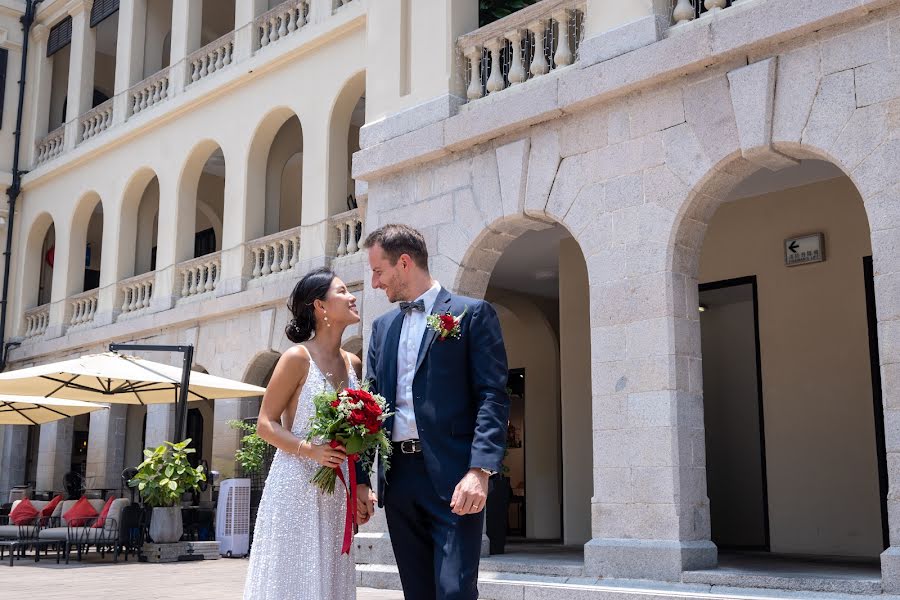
(409, 446)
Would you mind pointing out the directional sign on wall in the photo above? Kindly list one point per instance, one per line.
(804, 249)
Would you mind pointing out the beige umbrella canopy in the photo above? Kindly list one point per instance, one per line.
(118, 379)
(27, 410)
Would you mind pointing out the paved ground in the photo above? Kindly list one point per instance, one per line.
(208, 580)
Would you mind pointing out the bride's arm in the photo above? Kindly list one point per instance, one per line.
(284, 386)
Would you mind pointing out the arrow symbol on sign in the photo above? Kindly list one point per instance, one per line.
(793, 246)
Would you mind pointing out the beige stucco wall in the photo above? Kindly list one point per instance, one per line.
(817, 389)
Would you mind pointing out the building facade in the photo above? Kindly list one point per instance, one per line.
(687, 218)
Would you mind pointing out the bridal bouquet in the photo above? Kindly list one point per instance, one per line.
(354, 418)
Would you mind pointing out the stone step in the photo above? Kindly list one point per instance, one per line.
(494, 585)
(798, 581)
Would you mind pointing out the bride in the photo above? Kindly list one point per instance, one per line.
(299, 530)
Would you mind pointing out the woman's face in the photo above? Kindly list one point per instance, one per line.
(339, 304)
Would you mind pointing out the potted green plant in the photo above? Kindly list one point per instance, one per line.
(252, 451)
(162, 479)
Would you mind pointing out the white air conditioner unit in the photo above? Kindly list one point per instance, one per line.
(19, 492)
(233, 517)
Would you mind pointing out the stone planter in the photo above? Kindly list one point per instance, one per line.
(165, 525)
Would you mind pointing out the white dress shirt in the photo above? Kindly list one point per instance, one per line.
(411, 334)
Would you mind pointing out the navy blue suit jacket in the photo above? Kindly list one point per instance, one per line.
(459, 390)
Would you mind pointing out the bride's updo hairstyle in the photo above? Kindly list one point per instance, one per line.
(314, 286)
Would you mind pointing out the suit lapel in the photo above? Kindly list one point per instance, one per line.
(441, 304)
(389, 373)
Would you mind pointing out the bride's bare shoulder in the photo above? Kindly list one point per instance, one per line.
(296, 358)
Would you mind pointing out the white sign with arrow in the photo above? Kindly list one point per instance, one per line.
(804, 249)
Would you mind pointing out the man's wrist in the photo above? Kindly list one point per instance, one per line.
(481, 471)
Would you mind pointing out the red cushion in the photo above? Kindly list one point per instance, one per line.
(81, 513)
(47, 511)
(24, 513)
(104, 513)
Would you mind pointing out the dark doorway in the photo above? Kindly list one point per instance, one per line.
(733, 414)
(875, 361)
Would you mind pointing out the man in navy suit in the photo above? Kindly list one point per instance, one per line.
(448, 395)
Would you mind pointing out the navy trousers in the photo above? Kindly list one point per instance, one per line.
(437, 551)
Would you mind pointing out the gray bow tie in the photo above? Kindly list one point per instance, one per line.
(407, 307)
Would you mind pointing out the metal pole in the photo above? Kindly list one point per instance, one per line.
(187, 353)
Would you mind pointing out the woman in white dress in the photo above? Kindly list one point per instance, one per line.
(299, 531)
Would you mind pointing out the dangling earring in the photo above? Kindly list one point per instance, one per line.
(325, 317)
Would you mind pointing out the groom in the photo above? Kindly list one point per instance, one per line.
(447, 389)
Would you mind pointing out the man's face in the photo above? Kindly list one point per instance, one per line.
(393, 279)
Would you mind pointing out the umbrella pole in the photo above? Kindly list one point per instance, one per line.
(187, 353)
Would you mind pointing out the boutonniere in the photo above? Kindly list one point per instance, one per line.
(446, 325)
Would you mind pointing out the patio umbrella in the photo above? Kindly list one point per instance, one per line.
(120, 379)
(28, 410)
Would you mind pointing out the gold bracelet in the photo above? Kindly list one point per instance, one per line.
(299, 448)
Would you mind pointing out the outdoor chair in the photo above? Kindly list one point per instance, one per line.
(82, 537)
(131, 531)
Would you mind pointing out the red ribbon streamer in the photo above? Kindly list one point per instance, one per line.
(350, 521)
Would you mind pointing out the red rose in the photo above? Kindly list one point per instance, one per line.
(356, 417)
(335, 403)
(448, 322)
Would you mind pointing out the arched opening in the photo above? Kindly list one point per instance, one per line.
(201, 202)
(36, 276)
(786, 329)
(347, 116)
(86, 244)
(157, 36)
(539, 287)
(284, 173)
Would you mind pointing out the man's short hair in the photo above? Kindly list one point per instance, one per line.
(397, 239)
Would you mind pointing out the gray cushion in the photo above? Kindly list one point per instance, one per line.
(9, 532)
(54, 533)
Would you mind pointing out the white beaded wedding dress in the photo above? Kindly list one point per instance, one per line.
(296, 553)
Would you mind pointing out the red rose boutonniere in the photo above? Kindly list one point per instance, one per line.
(446, 325)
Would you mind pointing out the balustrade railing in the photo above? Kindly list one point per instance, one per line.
(282, 21)
(150, 91)
(336, 4)
(200, 275)
(526, 44)
(83, 308)
(36, 321)
(275, 253)
(684, 11)
(97, 120)
(137, 292)
(349, 226)
(213, 57)
(51, 146)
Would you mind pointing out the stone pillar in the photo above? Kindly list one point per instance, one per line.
(401, 29)
(613, 27)
(54, 454)
(319, 10)
(235, 256)
(173, 246)
(67, 279)
(129, 54)
(13, 456)
(81, 69)
(650, 513)
(160, 424)
(187, 20)
(246, 36)
(106, 447)
(38, 93)
(314, 234)
(226, 439)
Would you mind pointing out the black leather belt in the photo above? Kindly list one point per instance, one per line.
(408, 446)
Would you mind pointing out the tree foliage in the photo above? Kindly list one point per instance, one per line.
(491, 10)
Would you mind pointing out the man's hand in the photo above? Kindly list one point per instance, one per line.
(470, 493)
(365, 504)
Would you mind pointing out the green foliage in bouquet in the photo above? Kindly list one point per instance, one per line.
(166, 474)
(252, 450)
